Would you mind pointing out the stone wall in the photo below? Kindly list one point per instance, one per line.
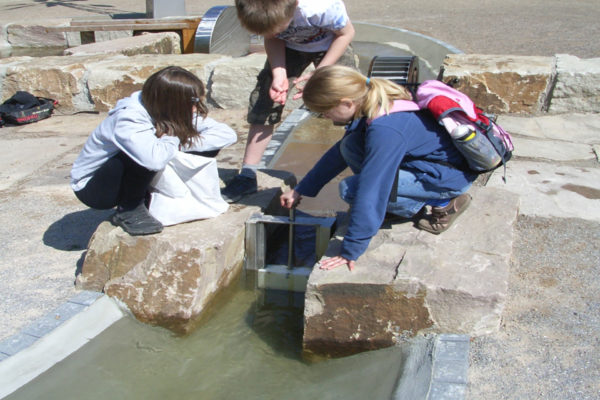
(504, 84)
(88, 81)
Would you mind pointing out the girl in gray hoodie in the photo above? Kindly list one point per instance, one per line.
(138, 138)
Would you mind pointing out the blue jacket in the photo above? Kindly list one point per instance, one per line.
(412, 141)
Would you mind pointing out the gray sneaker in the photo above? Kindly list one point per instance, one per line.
(137, 221)
(441, 218)
(239, 187)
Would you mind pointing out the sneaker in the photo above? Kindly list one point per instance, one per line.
(442, 217)
(137, 221)
(239, 187)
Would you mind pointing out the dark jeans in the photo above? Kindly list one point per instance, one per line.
(118, 182)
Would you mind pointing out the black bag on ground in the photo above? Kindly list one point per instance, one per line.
(24, 108)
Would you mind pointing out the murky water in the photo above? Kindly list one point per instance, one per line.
(248, 349)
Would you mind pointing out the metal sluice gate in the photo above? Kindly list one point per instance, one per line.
(287, 277)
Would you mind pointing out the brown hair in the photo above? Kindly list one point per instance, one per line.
(329, 85)
(263, 16)
(169, 96)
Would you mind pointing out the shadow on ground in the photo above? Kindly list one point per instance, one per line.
(73, 231)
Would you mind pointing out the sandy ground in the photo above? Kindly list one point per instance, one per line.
(548, 342)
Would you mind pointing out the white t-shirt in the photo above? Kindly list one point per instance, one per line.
(313, 25)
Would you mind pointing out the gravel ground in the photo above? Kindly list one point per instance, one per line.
(548, 343)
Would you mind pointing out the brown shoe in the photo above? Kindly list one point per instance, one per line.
(442, 217)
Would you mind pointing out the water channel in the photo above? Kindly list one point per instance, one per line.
(250, 344)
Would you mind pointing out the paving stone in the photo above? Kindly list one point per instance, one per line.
(16, 343)
(447, 391)
(551, 190)
(85, 297)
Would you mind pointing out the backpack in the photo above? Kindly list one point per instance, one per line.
(24, 108)
(483, 143)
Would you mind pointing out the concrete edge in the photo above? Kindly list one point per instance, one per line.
(281, 136)
(450, 367)
(435, 368)
(34, 355)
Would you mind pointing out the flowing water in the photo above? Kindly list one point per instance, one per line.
(250, 348)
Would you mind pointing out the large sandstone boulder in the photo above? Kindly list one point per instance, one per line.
(411, 281)
(577, 86)
(168, 279)
(147, 43)
(24, 35)
(94, 82)
(502, 83)
(59, 78)
(115, 77)
(232, 82)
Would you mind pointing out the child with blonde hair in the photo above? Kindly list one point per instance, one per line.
(296, 33)
(402, 159)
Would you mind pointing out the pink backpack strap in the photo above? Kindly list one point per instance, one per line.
(398, 106)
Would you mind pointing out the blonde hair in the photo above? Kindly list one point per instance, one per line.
(329, 85)
(263, 16)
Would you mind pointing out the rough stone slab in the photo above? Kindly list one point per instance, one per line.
(410, 281)
(148, 43)
(59, 78)
(502, 83)
(168, 279)
(572, 127)
(21, 35)
(116, 77)
(232, 82)
(550, 190)
(577, 86)
(554, 150)
(95, 82)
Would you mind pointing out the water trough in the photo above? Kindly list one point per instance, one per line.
(380, 372)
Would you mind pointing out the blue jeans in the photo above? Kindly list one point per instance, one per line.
(412, 194)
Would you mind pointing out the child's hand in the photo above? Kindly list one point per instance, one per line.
(290, 198)
(279, 88)
(299, 87)
(334, 262)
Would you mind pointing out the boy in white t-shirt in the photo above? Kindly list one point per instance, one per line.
(296, 33)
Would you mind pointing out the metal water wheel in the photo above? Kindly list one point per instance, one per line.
(401, 70)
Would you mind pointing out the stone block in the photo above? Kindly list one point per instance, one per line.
(502, 83)
(20, 35)
(168, 279)
(117, 76)
(411, 281)
(577, 86)
(148, 43)
(93, 82)
(59, 78)
(232, 82)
